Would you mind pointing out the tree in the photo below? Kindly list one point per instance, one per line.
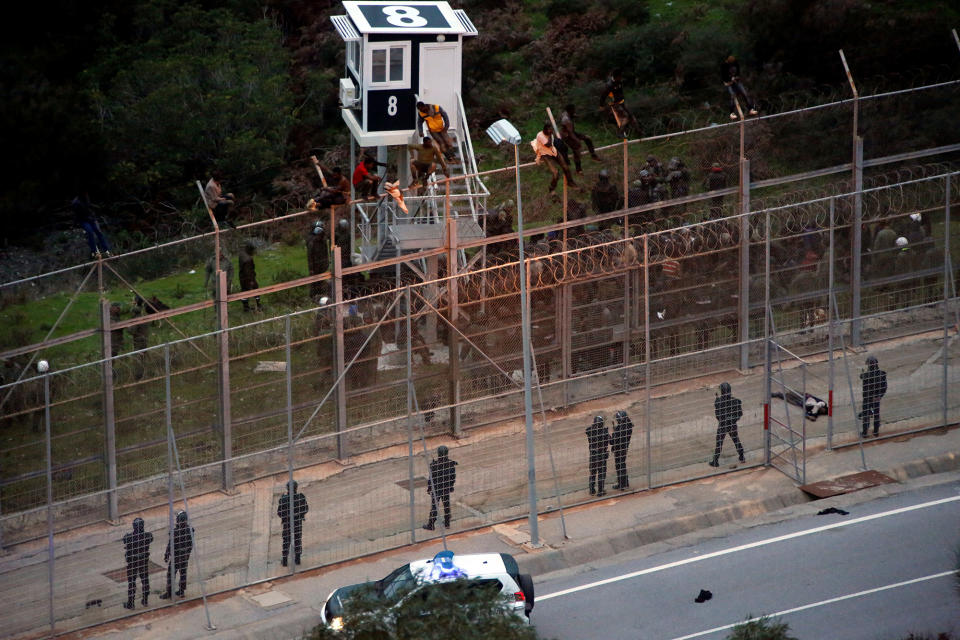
(203, 89)
(762, 628)
(462, 609)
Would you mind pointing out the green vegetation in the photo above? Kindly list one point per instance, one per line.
(763, 628)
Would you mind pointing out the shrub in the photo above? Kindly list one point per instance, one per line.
(763, 628)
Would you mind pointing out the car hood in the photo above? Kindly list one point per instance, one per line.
(335, 602)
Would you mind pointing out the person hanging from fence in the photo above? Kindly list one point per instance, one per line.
(728, 411)
(211, 273)
(730, 74)
(440, 483)
(619, 443)
(873, 387)
(218, 201)
(573, 138)
(424, 158)
(291, 513)
(438, 126)
(248, 273)
(141, 332)
(85, 218)
(543, 146)
(136, 548)
(318, 257)
(598, 444)
(614, 100)
(117, 337)
(182, 537)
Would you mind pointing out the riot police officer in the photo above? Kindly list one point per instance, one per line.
(598, 441)
(136, 546)
(619, 443)
(182, 537)
(292, 518)
(443, 475)
(728, 410)
(874, 387)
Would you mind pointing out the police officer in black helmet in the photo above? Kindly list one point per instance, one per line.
(728, 410)
(182, 537)
(619, 443)
(598, 441)
(874, 386)
(443, 475)
(136, 546)
(292, 515)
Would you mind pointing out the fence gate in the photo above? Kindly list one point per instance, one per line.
(785, 410)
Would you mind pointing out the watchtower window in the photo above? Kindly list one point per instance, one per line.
(353, 56)
(390, 65)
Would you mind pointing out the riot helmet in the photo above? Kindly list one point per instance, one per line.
(724, 388)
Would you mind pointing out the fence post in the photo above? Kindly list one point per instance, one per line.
(453, 336)
(564, 326)
(946, 300)
(744, 300)
(109, 417)
(767, 322)
(338, 363)
(409, 362)
(49, 460)
(627, 304)
(646, 354)
(830, 320)
(856, 250)
(223, 344)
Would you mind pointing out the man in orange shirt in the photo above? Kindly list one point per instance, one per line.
(547, 155)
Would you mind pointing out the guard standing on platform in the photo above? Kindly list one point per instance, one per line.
(443, 475)
(182, 546)
(292, 519)
(619, 443)
(728, 410)
(136, 546)
(874, 382)
(598, 440)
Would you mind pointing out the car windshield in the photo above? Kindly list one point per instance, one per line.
(396, 582)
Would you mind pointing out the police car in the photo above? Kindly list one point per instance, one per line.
(493, 570)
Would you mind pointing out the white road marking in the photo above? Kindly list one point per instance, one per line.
(858, 594)
(745, 547)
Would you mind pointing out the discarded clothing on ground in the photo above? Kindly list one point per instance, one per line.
(811, 404)
(830, 510)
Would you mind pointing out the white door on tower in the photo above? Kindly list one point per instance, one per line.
(440, 76)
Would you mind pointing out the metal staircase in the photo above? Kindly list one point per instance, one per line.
(384, 231)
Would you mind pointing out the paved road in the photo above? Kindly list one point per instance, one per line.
(882, 571)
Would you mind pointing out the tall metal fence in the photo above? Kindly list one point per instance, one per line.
(352, 398)
(741, 270)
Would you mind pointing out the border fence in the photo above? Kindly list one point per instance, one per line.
(653, 303)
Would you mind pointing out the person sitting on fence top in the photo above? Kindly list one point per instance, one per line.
(424, 158)
(336, 192)
(547, 155)
(438, 125)
(364, 180)
(730, 74)
(218, 201)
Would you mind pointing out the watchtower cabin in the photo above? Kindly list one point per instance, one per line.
(398, 55)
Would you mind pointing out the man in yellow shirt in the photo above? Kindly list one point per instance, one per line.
(547, 155)
(437, 123)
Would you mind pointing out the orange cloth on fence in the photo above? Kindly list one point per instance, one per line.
(393, 188)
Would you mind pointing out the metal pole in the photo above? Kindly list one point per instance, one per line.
(109, 417)
(49, 458)
(223, 340)
(803, 426)
(857, 248)
(646, 353)
(767, 328)
(338, 359)
(289, 384)
(453, 336)
(527, 394)
(830, 319)
(744, 299)
(946, 295)
(413, 514)
(168, 424)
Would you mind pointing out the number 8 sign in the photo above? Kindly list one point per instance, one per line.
(403, 16)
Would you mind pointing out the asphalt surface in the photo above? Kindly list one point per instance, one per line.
(844, 573)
